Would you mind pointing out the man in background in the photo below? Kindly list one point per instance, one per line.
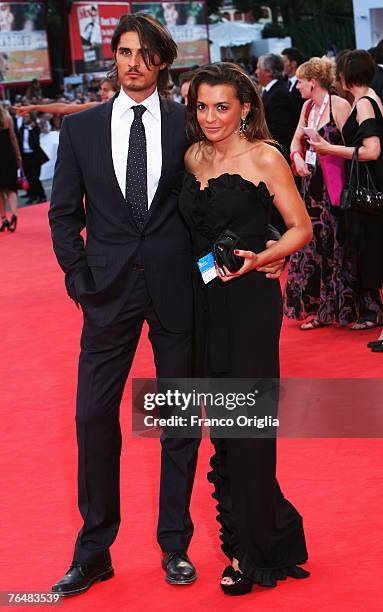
(292, 58)
(277, 100)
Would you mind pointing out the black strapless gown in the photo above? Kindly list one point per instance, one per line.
(8, 162)
(237, 327)
(365, 232)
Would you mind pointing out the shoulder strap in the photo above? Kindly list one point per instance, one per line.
(331, 115)
(308, 111)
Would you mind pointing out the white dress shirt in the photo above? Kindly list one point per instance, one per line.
(122, 119)
(292, 81)
(26, 147)
(269, 85)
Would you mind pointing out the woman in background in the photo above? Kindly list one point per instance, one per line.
(320, 285)
(10, 161)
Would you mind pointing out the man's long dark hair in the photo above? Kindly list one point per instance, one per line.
(154, 38)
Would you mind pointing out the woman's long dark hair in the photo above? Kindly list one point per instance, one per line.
(154, 37)
(225, 73)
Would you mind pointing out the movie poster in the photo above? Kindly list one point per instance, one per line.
(186, 21)
(91, 28)
(23, 43)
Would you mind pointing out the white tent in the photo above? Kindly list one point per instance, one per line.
(232, 34)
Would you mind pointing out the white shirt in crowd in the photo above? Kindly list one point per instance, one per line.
(292, 81)
(26, 147)
(269, 85)
(122, 119)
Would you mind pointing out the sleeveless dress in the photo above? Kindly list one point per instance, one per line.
(320, 281)
(8, 162)
(364, 233)
(237, 327)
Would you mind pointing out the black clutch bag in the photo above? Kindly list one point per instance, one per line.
(223, 250)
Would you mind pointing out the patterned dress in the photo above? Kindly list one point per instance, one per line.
(320, 282)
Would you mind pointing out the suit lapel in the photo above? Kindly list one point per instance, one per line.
(167, 131)
(106, 148)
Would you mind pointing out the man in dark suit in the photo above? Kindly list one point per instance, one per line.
(33, 157)
(135, 266)
(292, 58)
(277, 101)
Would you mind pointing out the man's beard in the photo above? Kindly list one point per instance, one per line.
(132, 86)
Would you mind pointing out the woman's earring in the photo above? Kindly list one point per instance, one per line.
(242, 128)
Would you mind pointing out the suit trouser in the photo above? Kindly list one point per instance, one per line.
(105, 360)
(32, 169)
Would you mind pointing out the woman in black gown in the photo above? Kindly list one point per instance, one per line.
(363, 232)
(10, 161)
(234, 178)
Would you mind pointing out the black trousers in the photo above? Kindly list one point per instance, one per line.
(105, 360)
(32, 169)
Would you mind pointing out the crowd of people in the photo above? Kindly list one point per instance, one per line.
(336, 279)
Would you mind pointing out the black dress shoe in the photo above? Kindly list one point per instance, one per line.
(375, 344)
(179, 569)
(80, 577)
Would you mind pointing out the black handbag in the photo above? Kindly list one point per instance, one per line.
(367, 200)
(228, 241)
(223, 250)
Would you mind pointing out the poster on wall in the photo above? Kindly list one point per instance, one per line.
(23, 42)
(91, 29)
(186, 21)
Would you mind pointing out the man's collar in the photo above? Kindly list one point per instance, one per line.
(292, 81)
(123, 102)
(269, 85)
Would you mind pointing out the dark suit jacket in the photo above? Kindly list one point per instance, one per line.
(34, 143)
(377, 82)
(99, 272)
(280, 115)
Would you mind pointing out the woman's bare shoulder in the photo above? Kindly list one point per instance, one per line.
(266, 154)
(340, 103)
(195, 155)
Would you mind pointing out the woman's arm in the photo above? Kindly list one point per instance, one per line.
(13, 138)
(56, 108)
(274, 170)
(280, 183)
(370, 149)
(297, 159)
(296, 143)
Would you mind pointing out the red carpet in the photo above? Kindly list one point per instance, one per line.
(336, 484)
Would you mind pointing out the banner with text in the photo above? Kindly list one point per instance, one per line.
(91, 29)
(186, 22)
(23, 42)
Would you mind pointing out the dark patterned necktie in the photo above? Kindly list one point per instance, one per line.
(136, 169)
